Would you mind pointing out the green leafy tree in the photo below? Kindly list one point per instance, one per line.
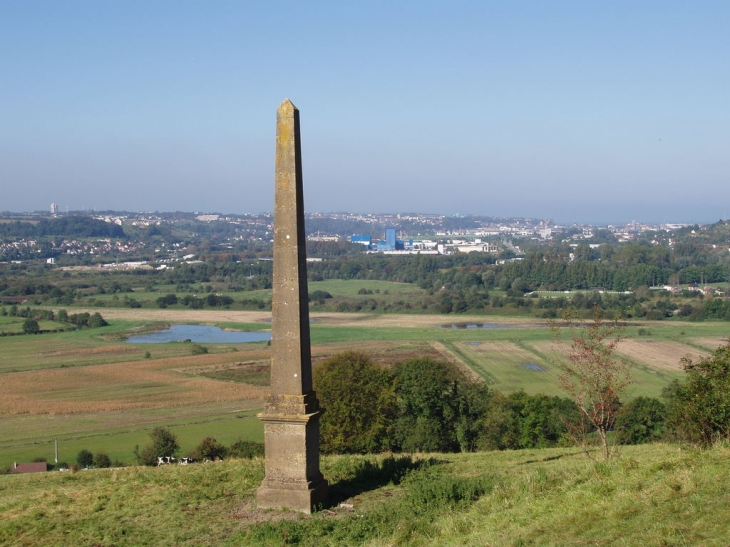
(698, 409)
(164, 443)
(85, 458)
(102, 460)
(209, 449)
(539, 420)
(428, 398)
(641, 420)
(96, 321)
(30, 326)
(594, 376)
(359, 398)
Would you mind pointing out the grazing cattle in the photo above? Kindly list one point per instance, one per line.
(164, 460)
(185, 461)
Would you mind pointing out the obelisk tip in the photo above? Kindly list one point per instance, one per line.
(287, 107)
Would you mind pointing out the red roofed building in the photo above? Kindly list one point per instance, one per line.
(35, 467)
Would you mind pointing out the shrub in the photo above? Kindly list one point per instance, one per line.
(85, 458)
(210, 449)
(698, 409)
(246, 449)
(102, 460)
(30, 326)
(197, 349)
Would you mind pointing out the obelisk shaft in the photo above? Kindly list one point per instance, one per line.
(290, 348)
(291, 413)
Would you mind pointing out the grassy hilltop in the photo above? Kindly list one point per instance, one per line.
(653, 495)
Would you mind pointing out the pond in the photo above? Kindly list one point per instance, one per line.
(457, 326)
(201, 334)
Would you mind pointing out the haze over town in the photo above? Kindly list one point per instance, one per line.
(574, 111)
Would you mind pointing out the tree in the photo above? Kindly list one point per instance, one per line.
(429, 400)
(164, 443)
(593, 375)
(30, 326)
(698, 409)
(85, 458)
(359, 398)
(641, 420)
(102, 460)
(96, 321)
(209, 449)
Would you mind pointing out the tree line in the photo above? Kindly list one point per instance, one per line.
(424, 405)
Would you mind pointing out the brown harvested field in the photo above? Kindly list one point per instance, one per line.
(339, 319)
(658, 354)
(101, 350)
(139, 384)
(382, 352)
(165, 383)
(711, 343)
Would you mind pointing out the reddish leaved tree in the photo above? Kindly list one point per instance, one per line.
(593, 375)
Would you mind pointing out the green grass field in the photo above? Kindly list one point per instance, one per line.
(653, 495)
(116, 433)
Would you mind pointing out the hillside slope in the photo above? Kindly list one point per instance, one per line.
(652, 495)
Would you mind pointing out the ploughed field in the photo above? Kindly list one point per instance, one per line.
(90, 389)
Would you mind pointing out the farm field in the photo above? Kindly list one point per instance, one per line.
(92, 390)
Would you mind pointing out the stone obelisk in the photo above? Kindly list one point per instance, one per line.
(291, 413)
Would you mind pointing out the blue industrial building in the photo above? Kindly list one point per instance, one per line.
(390, 243)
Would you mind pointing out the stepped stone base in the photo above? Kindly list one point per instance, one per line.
(291, 430)
(282, 496)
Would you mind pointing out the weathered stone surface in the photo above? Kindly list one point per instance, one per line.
(291, 414)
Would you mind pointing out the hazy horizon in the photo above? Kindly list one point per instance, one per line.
(579, 112)
(390, 212)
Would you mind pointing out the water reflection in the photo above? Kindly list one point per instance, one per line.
(199, 334)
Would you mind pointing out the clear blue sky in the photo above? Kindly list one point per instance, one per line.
(581, 111)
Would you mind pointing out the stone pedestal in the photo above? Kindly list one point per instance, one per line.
(293, 480)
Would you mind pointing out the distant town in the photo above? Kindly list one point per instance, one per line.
(389, 233)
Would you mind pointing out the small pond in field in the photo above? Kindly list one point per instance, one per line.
(201, 334)
(458, 326)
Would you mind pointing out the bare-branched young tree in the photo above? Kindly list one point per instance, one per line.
(593, 375)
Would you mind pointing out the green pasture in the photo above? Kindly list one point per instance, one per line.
(77, 348)
(15, 325)
(27, 437)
